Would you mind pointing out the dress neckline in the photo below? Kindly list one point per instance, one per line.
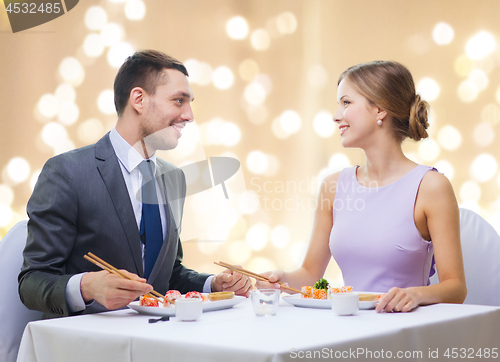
(389, 184)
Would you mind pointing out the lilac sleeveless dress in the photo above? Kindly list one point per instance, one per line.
(374, 239)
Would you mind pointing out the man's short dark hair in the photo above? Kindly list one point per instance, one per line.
(142, 69)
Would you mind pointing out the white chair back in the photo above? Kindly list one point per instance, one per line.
(13, 314)
(481, 253)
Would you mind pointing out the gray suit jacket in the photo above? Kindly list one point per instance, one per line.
(80, 204)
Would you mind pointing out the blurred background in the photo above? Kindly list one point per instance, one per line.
(264, 76)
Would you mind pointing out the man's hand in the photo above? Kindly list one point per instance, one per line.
(231, 281)
(112, 291)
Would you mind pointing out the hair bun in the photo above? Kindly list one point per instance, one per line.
(418, 119)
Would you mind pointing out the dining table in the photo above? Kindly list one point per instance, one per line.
(440, 332)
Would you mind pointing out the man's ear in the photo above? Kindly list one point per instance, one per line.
(137, 99)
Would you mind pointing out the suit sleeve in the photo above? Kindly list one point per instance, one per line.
(52, 228)
(184, 279)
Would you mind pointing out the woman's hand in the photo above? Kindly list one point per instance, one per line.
(398, 300)
(274, 277)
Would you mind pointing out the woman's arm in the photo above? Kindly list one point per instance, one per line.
(318, 254)
(437, 217)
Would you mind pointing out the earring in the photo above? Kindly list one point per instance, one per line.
(379, 122)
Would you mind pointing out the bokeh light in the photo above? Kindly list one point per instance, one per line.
(261, 264)
(93, 45)
(491, 114)
(428, 89)
(255, 94)
(135, 10)
(449, 138)
(280, 236)
(483, 168)
(467, 91)
(223, 78)
(338, 161)
(445, 168)
(106, 102)
(65, 93)
(6, 194)
(483, 134)
(220, 132)
(237, 28)
(260, 40)
(68, 113)
(257, 114)
(286, 23)
(112, 34)
(463, 66)
(48, 105)
(118, 52)
(290, 121)
(265, 81)
(317, 76)
(95, 18)
(443, 33)
(257, 236)
(71, 70)
(248, 70)
(239, 252)
(470, 191)
(6, 215)
(429, 150)
(18, 169)
(257, 162)
(323, 124)
(90, 131)
(480, 45)
(52, 133)
(479, 78)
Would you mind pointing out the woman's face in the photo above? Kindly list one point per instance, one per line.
(356, 116)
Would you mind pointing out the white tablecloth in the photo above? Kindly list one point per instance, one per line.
(293, 334)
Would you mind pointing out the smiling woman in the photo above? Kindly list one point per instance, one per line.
(408, 213)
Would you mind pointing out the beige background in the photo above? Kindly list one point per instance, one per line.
(330, 35)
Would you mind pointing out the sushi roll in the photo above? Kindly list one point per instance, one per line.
(147, 301)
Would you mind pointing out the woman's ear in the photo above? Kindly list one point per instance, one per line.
(381, 113)
(137, 99)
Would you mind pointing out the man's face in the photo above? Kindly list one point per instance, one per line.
(167, 112)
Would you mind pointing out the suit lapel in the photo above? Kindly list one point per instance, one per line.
(111, 173)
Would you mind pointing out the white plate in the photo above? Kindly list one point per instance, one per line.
(207, 306)
(298, 301)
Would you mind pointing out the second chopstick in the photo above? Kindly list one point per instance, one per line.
(256, 276)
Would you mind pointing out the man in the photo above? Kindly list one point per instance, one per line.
(93, 199)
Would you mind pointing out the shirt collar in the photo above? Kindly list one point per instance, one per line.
(129, 157)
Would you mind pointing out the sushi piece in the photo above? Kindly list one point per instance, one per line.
(196, 295)
(307, 291)
(220, 296)
(170, 298)
(147, 301)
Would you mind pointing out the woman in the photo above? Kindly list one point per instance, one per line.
(383, 215)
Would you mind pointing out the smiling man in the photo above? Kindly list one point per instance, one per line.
(119, 201)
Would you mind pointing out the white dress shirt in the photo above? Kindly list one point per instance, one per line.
(129, 158)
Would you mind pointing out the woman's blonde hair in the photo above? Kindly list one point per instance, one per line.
(389, 85)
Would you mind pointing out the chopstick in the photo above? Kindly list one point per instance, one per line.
(257, 276)
(108, 267)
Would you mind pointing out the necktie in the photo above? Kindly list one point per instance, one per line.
(150, 229)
